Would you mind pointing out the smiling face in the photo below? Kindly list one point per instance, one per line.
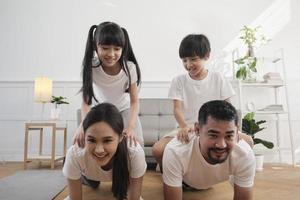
(101, 143)
(109, 56)
(195, 66)
(216, 139)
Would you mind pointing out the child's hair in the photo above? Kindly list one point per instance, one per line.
(219, 110)
(108, 113)
(106, 33)
(194, 45)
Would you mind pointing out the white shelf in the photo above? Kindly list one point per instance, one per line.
(261, 84)
(278, 88)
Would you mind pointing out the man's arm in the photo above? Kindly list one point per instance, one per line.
(172, 193)
(245, 193)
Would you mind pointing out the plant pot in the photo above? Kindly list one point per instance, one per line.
(55, 113)
(259, 160)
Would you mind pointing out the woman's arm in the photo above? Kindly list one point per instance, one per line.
(135, 188)
(75, 189)
(134, 109)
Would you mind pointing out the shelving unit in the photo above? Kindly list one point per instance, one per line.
(280, 92)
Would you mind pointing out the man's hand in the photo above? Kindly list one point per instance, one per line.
(129, 134)
(183, 134)
(78, 137)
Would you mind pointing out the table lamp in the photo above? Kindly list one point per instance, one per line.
(42, 91)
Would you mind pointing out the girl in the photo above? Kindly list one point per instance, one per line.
(110, 72)
(105, 157)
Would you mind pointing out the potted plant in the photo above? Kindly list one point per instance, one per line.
(247, 64)
(57, 100)
(251, 127)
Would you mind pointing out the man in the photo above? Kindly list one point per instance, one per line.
(213, 155)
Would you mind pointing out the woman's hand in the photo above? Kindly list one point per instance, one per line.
(129, 134)
(78, 137)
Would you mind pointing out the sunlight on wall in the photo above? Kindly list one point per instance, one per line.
(272, 21)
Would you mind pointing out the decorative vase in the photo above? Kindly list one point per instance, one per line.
(251, 76)
(55, 113)
(250, 52)
(259, 160)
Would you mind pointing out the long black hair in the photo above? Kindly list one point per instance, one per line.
(106, 33)
(106, 112)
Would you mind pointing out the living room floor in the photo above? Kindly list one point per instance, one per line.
(276, 181)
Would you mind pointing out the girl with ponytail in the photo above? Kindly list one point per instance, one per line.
(111, 74)
(105, 157)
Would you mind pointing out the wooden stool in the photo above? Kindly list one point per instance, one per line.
(40, 125)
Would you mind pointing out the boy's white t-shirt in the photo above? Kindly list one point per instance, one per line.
(185, 163)
(194, 93)
(79, 162)
(108, 88)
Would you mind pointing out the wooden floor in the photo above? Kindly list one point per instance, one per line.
(275, 182)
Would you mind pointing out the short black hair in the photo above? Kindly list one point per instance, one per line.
(194, 45)
(219, 110)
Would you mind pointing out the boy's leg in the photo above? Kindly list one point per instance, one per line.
(158, 149)
(247, 138)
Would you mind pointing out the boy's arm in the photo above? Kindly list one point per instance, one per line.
(245, 193)
(184, 127)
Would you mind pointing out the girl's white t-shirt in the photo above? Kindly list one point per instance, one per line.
(79, 162)
(111, 88)
(194, 93)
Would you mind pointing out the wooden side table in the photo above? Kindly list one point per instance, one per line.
(55, 126)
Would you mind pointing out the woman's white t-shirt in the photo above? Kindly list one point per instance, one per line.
(111, 88)
(79, 162)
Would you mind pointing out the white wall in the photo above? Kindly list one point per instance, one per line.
(47, 37)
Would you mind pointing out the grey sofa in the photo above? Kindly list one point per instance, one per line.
(156, 115)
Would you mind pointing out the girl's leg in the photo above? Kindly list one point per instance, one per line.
(138, 127)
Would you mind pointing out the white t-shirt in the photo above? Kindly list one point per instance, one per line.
(108, 88)
(194, 93)
(184, 162)
(78, 162)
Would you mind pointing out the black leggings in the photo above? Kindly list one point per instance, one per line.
(93, 184)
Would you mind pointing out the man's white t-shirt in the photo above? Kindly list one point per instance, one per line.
(194, 93)
(108, 88)
(185, 163)
(79, 162)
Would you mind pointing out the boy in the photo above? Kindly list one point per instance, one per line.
(190, 91)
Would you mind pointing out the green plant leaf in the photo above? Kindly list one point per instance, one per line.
(267, 144)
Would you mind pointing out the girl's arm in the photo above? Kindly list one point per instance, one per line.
(75, 189)
(79, 135)
(134, 109)
(135, 188)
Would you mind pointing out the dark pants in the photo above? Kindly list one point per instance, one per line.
(93, 184)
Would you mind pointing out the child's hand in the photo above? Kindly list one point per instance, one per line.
(129, 133)
(78, 137)
(183, 134)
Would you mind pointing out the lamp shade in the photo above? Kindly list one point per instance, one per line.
(42, 89)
